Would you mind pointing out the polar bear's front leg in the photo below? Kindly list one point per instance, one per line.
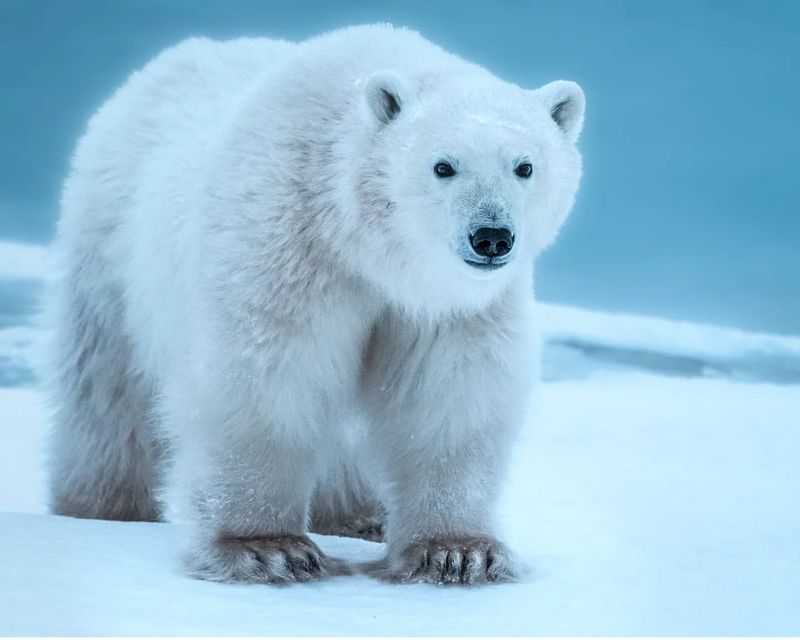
(245, 483)
(446, 402)
(441, 507)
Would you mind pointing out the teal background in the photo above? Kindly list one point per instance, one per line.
(689, 208)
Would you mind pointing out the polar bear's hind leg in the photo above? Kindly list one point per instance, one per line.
(104, 459)
(345, 505)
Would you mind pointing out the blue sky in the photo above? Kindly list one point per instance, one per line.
(689, 204)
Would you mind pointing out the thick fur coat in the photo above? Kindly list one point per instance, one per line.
(275, 307)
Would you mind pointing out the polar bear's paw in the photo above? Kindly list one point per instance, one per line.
(278, 560)
(450, 561)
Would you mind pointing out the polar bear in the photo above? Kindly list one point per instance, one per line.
(293, 292)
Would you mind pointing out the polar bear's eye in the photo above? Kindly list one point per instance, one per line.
(524, 170)
(444, 170)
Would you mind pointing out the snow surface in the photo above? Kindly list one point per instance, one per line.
(654, 491)
(642, 505)
(19, 261)
(668, 346)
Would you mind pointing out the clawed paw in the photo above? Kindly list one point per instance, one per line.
(468, 561)
(273, 560)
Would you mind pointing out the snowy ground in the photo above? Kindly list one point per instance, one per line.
(654, 491)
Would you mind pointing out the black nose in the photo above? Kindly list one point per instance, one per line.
(491, 242)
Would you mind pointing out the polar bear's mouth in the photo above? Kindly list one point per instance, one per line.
(488, 265)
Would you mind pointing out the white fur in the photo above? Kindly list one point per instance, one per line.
(256, 255)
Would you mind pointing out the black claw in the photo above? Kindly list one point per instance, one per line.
(489, 560)
(462, 572)
(440, 567)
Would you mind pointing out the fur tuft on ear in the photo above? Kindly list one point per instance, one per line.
(387, 94)
(566, 104)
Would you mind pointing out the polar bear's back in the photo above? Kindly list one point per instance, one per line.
(194, 79)
(183, 91)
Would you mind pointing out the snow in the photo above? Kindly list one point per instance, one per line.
(21, 261)
(653, 492)
(22, 432)
(17, 354)
(642, 504)
(668, 346)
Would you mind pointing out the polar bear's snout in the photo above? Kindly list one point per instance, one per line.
(491, 247)
(490, 242)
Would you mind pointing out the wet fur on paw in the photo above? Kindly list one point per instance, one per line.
(278, 560)
(462, 561)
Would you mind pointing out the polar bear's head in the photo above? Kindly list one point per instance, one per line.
(463, 184)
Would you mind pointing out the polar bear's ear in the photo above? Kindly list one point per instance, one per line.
(566, 103)
(387, 94)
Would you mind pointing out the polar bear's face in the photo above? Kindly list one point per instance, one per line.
(472, 184)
